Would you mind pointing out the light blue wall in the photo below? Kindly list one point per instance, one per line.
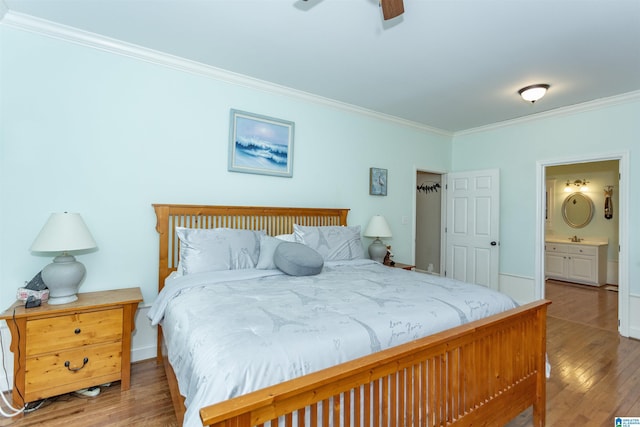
(516, 149)
(106, 135)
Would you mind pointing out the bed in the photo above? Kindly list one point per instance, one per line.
(484, 371)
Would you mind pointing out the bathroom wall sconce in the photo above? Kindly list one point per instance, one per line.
(534, 92)
(578, 184)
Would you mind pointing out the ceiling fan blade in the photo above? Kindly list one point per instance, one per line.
(391, 8)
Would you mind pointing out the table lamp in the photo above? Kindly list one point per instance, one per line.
(63, 232)
(377, 228)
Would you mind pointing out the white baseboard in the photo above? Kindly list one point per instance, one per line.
(146, 353)
(145, 337)
(521, 289)
(634, 316)
(612, 272)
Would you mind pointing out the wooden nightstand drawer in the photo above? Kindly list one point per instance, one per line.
(96, 327)
(48, 374)
(72, 331)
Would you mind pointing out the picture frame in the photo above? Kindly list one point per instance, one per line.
(260, 144)
(378, 182)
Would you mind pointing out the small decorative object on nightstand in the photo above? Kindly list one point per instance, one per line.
(377, 228)
(58, 349)
(388, 258)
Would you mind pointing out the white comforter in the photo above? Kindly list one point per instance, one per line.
(232, 332)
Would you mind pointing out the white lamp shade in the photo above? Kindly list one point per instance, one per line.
(377, 227)
(64, 232)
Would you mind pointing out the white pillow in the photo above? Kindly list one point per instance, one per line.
(334, 243)
(216, 249)
(268, 247)
(286, 237)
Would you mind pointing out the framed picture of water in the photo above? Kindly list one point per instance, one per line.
(260, 144)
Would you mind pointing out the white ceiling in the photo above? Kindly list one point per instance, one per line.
(452, 65)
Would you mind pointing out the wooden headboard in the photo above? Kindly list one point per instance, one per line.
(274, 220)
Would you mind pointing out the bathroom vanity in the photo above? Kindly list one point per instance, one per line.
(580, 262)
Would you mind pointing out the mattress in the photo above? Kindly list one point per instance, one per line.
(232, 332)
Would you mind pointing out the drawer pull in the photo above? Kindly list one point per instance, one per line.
(77, 331)
(84, 362)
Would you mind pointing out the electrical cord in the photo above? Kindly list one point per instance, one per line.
(12, 411)
(15, 324)
(33, 406)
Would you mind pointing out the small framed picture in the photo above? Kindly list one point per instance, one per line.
(377, 182)
(260, 144)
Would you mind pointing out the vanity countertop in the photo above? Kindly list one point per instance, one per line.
(588, 242)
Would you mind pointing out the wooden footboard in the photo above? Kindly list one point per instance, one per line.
(482, 373)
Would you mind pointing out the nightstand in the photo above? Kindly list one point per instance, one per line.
(402, 266)
(58, 349)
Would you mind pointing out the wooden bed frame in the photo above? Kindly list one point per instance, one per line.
(483, 373)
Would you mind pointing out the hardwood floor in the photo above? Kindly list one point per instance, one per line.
(146, 403)
(595, 375)
(588, 305)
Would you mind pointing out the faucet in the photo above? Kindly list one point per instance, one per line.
(575, 239)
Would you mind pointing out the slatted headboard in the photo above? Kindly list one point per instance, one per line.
(274, 220)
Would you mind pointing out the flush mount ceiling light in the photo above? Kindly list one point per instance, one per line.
(534, 92)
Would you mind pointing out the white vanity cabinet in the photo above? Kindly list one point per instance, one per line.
(577, 262)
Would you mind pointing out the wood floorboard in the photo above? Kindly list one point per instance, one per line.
(595, 375)
(146, 403)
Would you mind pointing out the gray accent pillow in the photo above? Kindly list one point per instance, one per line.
(296, 259)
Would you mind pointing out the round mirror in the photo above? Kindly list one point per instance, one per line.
(577, 210)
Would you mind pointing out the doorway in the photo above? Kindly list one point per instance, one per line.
(467, 213)
(561, 179)
(429, 208)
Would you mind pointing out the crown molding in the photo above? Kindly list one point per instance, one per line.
(73, 35)
(558, 112)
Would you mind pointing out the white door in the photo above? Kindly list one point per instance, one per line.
(473, 227)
